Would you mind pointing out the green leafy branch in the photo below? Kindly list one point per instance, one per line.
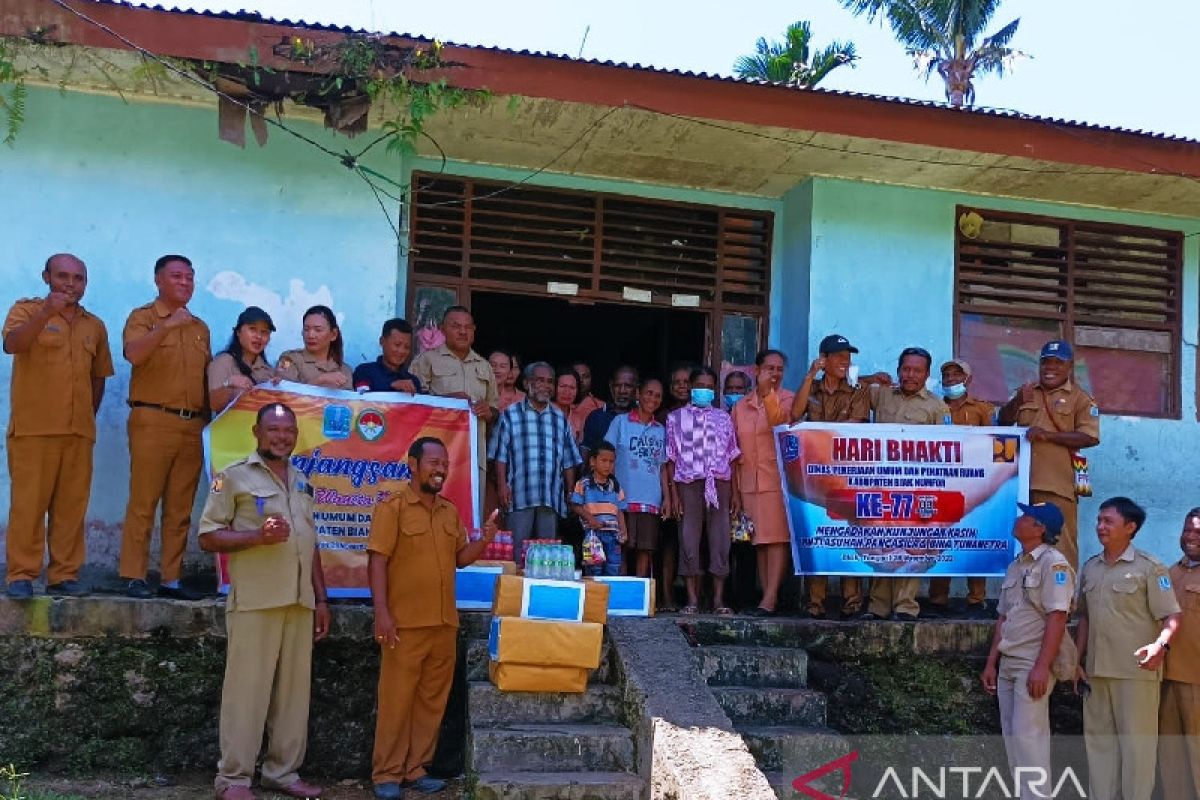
(12, 100)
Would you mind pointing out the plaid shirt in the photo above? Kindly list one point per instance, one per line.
(537, 446)
(702, 444)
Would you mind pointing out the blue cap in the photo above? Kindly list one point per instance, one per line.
(1058, 349)
(1047, 514)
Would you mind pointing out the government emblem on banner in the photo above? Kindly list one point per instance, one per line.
(370, 424)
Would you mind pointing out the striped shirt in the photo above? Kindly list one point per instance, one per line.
(602, 500)
(702, 444)
(536, 446)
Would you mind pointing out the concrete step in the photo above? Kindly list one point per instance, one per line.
(490, 706)
(477, 663)
(753, 705)
(531, 748)
(753, 666)
(790, 749)
(559, 786)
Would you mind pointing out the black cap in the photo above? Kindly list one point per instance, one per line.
(254, 314)
(835, 343)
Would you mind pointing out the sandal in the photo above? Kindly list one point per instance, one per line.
(689, 610)
(723, 611)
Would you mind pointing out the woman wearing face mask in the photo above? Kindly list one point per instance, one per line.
(757, 484)
(243, 362)
(319, 362)
(701, 449)
(737, 383)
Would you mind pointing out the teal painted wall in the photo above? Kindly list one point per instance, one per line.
(882, 274)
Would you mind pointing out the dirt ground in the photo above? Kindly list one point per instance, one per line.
(189, 787)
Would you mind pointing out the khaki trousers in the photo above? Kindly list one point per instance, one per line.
(1025, 723)
(818, 590)
(1120, 735)
(939, 591)
(51, 475)
(894, 594)
(268, 679)
(166, 454)
(1068, 542)
(1179, 740)
(414, 683)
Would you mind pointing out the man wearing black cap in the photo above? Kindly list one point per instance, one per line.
(833, 399)
(1034, 605)
(1062, 419)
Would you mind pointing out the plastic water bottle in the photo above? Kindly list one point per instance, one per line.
(568, 563)
(531, 562)
(538, 552)
(560, 563)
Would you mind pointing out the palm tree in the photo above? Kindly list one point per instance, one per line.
(792, 61)
(947, 36)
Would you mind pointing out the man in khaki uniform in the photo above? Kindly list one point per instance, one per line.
(1179, 713)
(453, 369)
(832, 399)
(1128, 616)
(260, 512)
(169, 351)
(1034, 603)
(964, 410)
(61, 359)
(1062, 419)
(417, 540)
(908, 403)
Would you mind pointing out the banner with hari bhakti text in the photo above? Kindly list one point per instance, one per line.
(353, 449)
(887, 499)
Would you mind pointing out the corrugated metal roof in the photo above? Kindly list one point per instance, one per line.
(254, 16)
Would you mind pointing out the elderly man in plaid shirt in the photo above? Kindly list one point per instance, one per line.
(536, 456)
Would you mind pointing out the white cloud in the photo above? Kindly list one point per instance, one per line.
(285, 312)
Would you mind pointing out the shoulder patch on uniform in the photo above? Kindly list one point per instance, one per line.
(1060, 576)
(1164, 582)
(217, 484)
(1094, 410)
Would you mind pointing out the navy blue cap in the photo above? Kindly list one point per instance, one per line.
(835, 343)
(1047, 514)
(1058, 349)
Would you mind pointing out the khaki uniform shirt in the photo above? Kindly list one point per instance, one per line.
(51, 390)
(1035, 584)
(442, 373)
(972, 412)
(1073, 410)
(1125, 604)
(223, 367)
(269, 575)
(845, 403)
(173, 375)
(1183, 659)
(302, 366)
(892, 405)
(421, 546)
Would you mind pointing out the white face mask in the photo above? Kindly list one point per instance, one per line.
(955, 391)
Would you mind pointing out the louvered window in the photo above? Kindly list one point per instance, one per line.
(1113, 291)
(603, 247)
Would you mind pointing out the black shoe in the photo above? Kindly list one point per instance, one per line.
(759, 611)
(426, 785)
(936, 611)
(138, 590)
(978, 611)
(20, 590)
(179, 593)
(867, 616)
(900, 616)
(66, 589)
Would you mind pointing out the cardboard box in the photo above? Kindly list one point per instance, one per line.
(628, 597)
(534, 678)
(575, 601)
(475, 586)
(536, 642)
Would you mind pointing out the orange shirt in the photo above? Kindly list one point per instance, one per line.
(580, 413)
(845, 403)
(51, 390)
(421, 546)
(1067, 408)
(758, 470)
(972, 412)
(1183, 660)
(173, 375)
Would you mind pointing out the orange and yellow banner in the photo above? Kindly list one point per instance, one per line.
(353, 449)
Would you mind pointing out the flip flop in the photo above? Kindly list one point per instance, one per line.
(689, 610)
(723, 611)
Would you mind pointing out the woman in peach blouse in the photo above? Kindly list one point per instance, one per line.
(757, 477)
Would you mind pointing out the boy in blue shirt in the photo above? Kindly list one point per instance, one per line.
(600, 504)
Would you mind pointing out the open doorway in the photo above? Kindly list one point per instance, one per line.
(604, 336)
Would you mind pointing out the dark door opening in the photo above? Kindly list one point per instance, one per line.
(604, 336)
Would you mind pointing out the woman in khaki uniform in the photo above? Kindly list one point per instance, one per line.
(243, 363)
(319, 362)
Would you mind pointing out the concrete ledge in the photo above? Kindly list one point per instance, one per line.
(687, 748)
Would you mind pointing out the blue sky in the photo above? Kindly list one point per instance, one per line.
(1112, 62)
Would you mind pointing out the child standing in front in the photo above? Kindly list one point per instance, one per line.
(600, 504)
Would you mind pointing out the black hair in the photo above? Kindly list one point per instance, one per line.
(681, 366)
(1129, 511)
(603, 446)
(395, 324)
(632, 370)
(270, 407)
(453, 309)
(651, 379)
(504, 353)
(164, 260)
(763, 354)
(915, 351)
(234, 348)
(740, 374)
(417, 448)
(335, 347)
(565, 371)
(698, 371)
(1195, 512)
